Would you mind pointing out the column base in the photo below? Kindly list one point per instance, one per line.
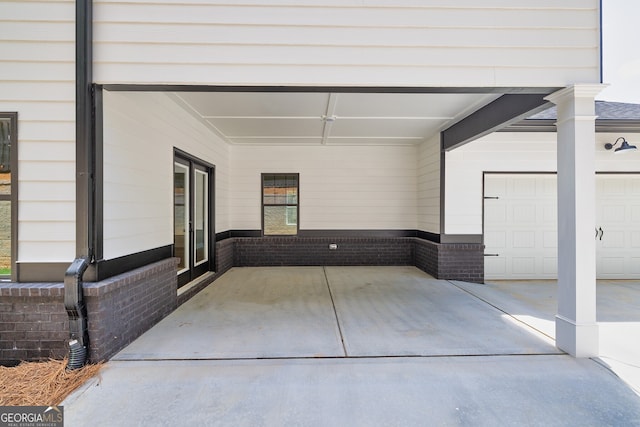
(579, 340)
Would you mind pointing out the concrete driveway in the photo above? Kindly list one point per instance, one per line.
(349, 346)
(534, 303)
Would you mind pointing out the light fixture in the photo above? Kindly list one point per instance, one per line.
(624, 146)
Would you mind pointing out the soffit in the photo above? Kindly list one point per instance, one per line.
(315, 118)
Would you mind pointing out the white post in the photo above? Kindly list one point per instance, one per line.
(576, 326)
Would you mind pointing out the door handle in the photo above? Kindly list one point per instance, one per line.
(601, 232)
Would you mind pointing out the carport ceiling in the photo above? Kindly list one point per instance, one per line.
(314, 118)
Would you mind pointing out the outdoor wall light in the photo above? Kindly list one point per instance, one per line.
(624, 146)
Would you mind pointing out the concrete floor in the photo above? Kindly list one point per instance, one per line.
(353, 346)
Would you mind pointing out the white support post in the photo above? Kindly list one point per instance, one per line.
(576, 326)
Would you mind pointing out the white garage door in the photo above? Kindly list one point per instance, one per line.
(520, 226)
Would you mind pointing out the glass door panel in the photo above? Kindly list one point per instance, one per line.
(181, 202)
(201, 215)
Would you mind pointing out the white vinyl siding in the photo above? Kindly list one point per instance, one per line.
(328, 42)
(140, 132)
(429, 185)
(37, 80)
(341, 187)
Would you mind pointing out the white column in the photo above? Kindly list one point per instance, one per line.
(576, 327)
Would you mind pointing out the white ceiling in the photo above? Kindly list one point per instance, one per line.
(313, 118)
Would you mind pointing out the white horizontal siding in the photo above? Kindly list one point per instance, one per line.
(497, 152)
(31, 211)
(37, 80)
(140, 133)
(226, 34)
(53, 231)
(25, 51)
(323, 13)
(509, 152)
(42, 112)
(45, 249)
(424, 43)
(38, 11)
(429, 185)
(210, 57)
(52, 94)
(341, 187)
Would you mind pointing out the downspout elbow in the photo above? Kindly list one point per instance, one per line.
(77, 312)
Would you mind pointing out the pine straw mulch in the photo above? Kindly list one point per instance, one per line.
(41, 383)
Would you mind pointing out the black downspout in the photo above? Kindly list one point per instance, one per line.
(85, 166)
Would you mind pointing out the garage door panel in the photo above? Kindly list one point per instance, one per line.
(527, 213)
(495, 266)
(614, 186)
(523, 187)
(495, 239)
(614, 213)
(530, 204)
(524, 213)
(523, 266)
(550, 266)
(549, 188)
(550, 239)
(618, 215)
(497, 212)
(611, 265)
(523, 239)
(495, 187)
(613, 239)
(550, 214)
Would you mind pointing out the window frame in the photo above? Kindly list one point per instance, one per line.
(13, 197)
(285, 205)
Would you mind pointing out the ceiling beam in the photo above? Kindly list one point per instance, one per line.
(329, 117)
(327, 89)
(549, 125)
(507, 109)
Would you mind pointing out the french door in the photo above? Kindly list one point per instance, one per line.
(192, 203)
